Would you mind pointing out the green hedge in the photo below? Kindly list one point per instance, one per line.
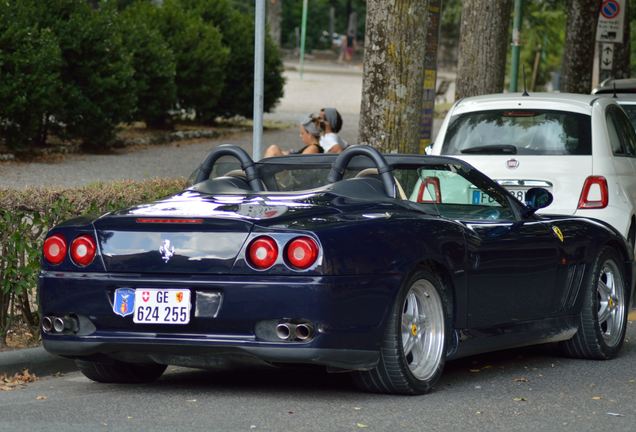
(27, 215)
(77, 72)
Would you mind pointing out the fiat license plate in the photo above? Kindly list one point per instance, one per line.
(162, 306)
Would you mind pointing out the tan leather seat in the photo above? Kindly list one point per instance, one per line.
(373, 172)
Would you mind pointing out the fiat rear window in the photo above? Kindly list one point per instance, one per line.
(521, 132)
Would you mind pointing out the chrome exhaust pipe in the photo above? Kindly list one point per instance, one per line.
(58, 324)
(47, 324)
(285, 331)
(304, 331)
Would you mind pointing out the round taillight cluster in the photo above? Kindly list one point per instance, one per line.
(263, 252)
(54, 249)
(82, 250)
(300, 253)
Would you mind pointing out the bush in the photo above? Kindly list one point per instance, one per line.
(64, 68)
(27, 215)
(153, 62)
(237, 30)
(201, 58)
(97, 74)
(29, 76)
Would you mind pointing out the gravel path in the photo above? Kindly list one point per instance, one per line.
(316, 90)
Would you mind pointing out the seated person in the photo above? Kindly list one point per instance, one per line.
(331, 123)
(310, 136)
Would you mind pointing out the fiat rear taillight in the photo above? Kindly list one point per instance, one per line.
(262, 252)
(54, 249)
(302, 252)
(83, 250)
(594, 194)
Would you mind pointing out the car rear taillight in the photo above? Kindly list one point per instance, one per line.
(83, 250)
(54, 249)
(594, 194)
(302, 252)
(262, 252)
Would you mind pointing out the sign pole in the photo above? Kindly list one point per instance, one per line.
(430, 73)
(609, 31)
(259, 72)
(516, 45)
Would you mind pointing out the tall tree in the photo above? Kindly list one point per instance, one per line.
(578, 53)
(393, 78)
(483, 45)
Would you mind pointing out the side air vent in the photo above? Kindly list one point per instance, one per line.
(572, 286)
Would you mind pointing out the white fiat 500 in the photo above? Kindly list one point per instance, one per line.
(580, 147)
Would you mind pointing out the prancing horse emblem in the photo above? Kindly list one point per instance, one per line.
(166, 250)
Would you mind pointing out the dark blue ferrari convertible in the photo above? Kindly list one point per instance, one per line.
(383, 265)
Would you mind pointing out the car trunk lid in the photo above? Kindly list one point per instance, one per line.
(564, 176)
(191, 233)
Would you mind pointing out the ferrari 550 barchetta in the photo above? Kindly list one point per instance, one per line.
(382, 265)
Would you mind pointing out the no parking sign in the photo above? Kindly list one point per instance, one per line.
(610, 21)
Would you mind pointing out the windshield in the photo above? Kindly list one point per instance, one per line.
(522, 132)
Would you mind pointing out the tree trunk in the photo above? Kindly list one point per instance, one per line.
(483, 45)
(578, 52)
(622, 58)
(393, 79)
(274, 18)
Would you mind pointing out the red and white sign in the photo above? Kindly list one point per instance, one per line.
(610, 21)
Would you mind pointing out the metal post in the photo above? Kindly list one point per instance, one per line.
(259, 72)
(516, 45)
(303, 33)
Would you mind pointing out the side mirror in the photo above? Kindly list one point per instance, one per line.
(537, 198)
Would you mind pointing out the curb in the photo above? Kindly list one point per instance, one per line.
(323, 69)
(36, 360)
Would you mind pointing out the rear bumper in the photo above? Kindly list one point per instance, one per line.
(348, 314)
(209, 355)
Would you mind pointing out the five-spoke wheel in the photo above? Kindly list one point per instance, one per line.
(413, 349)
(602, 321)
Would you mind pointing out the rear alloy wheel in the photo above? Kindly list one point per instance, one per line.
(113, 371)
(603, 316)
(413, 350)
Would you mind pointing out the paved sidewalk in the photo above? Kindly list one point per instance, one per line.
(36, 360)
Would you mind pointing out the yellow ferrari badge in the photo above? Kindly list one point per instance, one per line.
(558, 233)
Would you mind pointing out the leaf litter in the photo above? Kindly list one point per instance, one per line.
(18, 380)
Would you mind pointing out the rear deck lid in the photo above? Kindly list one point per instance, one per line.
(193, 233)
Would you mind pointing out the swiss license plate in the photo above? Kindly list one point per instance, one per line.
(162, 306)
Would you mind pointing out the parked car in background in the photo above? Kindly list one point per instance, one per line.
(582, 148)
(624, 91)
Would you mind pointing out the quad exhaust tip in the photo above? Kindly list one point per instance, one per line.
(55, 324)
(47, 324)
(295, 332)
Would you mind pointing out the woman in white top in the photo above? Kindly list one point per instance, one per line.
(331, 124)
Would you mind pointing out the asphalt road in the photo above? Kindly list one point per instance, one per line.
(531, 389)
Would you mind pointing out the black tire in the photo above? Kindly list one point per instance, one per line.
(113, 371)
(399, 371)
(602, 322)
